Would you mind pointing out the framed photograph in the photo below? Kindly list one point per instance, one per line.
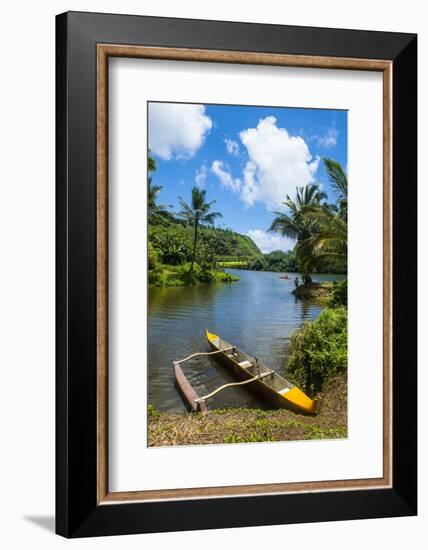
(236, 325)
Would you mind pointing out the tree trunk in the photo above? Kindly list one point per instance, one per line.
(307, 279)
(194, 245)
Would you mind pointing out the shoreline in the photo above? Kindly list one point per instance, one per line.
(179, 276)
(250, 425)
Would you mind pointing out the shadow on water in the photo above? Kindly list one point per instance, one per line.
(257, 314)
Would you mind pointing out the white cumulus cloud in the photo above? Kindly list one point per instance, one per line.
(222, 172)
(278, 162)
(177, 130)
(232, 146)
(268, 242)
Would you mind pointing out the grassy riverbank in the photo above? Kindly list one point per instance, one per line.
(254, 425)
(180, 275)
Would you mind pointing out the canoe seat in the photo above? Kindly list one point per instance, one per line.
(284, 391)
(245, 364)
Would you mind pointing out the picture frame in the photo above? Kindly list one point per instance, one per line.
(84, 44)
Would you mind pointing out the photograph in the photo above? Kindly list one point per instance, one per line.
(247, 263)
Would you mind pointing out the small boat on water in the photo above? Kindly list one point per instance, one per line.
(272, 385)
(284, 277)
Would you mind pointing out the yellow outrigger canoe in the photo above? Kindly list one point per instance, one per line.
(271, 384)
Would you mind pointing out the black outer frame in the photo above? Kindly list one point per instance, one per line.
(77, 513)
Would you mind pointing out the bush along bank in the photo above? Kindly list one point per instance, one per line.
(181, 275)
(319, 349)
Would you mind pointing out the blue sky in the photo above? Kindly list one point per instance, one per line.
(247, 158)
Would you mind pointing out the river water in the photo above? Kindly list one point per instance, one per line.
(257, 314)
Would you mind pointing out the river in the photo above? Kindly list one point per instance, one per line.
(257, 314)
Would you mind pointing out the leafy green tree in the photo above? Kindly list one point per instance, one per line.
(174, 251)
(295, 224)
(153, 257)
(196, 213)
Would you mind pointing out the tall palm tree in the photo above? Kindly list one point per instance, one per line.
(295, 224)
(330, 238)
(196, 213)
(155, 210)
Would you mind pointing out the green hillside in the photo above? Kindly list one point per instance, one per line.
(173, 242)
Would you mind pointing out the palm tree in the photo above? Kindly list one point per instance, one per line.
(296, 225)
(330, 238)
(196, 213)
(151, 163)
(339, 181)
(155, 210)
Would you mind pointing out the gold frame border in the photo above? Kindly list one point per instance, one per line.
(104, 51)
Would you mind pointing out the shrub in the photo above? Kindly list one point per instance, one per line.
(319, 350)
(153, 256)
(223, 277)
(339, 294)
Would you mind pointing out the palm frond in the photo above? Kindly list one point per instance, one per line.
(337, 178)
(151, 163)
(211, 217)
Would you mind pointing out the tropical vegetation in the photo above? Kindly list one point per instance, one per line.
(318, 350)
(320, 228)
(185, 248)
(189, 237)
(174, 244)
(196, 213)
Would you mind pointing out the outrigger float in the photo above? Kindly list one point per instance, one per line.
(268, 383)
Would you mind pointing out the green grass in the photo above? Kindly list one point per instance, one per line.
(180, 275)
(316, 432)
(254, 437)
(254, 425)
